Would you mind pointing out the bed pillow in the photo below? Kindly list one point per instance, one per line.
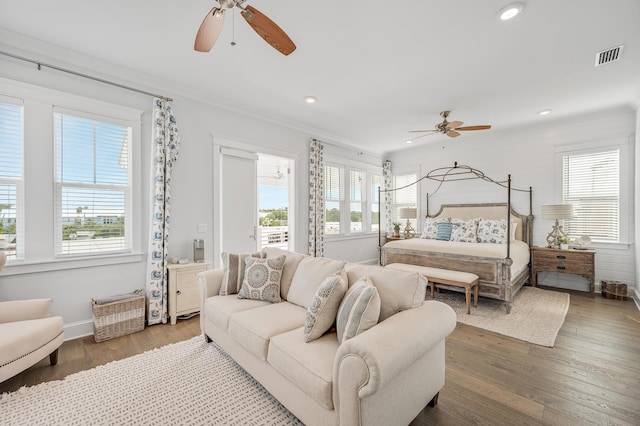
(514, 226)
(464, 231)
(234, 267)
(262, 279)
(321, 314)
(492, 231)
(430, 230)
(443, 232)
(359, 310)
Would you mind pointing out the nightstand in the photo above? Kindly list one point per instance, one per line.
(570, 261)
(183, 290)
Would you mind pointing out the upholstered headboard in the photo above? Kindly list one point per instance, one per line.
(489, 211)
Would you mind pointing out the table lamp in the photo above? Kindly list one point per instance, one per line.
(556, 212)
(408, 213)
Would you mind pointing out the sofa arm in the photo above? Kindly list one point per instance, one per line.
(209, 283)
(23, 310)
(377, 356)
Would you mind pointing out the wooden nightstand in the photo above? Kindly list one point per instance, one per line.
(577, 262)
(401, 237)
(183, 291)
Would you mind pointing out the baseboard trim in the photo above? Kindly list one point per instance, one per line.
(78, 329)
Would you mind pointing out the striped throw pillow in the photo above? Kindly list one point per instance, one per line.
(359, 310)
(234, 267)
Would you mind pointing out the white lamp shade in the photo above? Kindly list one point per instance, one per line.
(557, 211)
(408, 213)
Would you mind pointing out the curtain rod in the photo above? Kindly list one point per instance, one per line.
(79, 74)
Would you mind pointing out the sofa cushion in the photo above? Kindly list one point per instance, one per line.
(220, 308)
(22, 337)
(359, 310)
(398, 290)
(308, 365)
(234, 267)
(253, 328)
(321, 314)
(262, 279)
(290, 265)
(308, 277)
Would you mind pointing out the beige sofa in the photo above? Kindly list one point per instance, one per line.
(383, 376)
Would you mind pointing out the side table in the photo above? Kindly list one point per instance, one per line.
(570, 261)
(183, 290)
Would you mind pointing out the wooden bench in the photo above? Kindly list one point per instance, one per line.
(445, 278)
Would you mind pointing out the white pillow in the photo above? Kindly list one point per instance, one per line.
(321, 314)
(308, 276)
(359, 310)
(492, 231)
(464, 231)
(262, 279)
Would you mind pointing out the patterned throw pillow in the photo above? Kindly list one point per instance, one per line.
(359, 310)
(464, 231)
(430, 230)
(262, 279)
(444, 231)
(322, 312)
(492, 231)
(234, 267)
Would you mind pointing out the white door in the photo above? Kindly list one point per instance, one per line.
(238, 201)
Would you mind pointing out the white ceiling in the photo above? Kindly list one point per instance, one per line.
(377, 68)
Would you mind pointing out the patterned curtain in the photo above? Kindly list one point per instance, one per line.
(166, 142)
(388, 198)
(316, 199)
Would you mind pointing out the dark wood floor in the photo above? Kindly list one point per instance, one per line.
(591, 376)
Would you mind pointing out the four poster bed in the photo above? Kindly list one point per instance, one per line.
(478, 242)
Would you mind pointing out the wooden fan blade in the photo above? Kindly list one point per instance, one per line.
(473, 128)
(454, 124)
(426, 134)
(268, 30)
(422, 131)
(453, 134)
(209, 30)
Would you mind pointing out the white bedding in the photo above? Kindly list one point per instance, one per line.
(519, 250)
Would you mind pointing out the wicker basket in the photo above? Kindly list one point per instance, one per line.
(614, 289)
(117, 319)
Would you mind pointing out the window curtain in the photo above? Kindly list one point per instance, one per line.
(388, 198)
(166, 141)
(316, 199)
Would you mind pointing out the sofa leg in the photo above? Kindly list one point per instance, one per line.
(434, 401)
(53, 357)
(207, 339)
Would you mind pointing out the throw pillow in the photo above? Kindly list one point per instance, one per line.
(234, 267)
(464, 231)
(514, 226)
(444, 231)
(262, 279)
(359, 310)
(492, 231)
(321, 314)
(430, 230)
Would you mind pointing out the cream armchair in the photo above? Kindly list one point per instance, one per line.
(28, 333)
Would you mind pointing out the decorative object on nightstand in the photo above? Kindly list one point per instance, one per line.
(396, 230)
(576, 262)
(408, 213)
(582, 242)
(564, 242)
(183, 290)
(556, 212)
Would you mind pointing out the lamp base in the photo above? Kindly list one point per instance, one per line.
(554, 235)
(409, 232)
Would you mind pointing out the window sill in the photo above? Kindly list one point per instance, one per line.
(610, 246)
(17, 267)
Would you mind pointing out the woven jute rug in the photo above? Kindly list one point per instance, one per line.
(186, 383)
(536, 315)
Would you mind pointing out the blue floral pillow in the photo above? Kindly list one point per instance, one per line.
(492, 231)
(464, 231)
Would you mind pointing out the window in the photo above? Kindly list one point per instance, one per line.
(350, 200)
(591, 183)
(376, 183)
(11, 177)
(405, 197)
(92, 184)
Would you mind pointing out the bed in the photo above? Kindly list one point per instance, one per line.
(502, 268)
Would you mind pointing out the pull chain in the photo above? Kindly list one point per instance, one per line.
(233, 28)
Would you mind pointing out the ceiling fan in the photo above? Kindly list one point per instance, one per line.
(267, 29)
(449, 128)
(277, 175)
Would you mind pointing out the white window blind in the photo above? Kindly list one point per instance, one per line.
(11, 177)
(93, 184)
(376, 182)
(333, 198)
(591, 182)
(406, 197)
(357, 197)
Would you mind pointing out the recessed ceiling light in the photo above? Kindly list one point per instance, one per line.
(544, 112)
(510, 11)
(409, 141)
(310, 99)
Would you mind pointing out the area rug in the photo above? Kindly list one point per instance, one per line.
(185, 383)
(536, 315)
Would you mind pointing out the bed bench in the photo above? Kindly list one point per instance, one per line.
(445, 278)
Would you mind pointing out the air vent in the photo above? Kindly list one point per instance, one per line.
(609, 55)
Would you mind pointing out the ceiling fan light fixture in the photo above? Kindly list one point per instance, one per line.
(510, 11)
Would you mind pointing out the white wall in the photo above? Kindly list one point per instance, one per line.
(636, 287)
(529, 155)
